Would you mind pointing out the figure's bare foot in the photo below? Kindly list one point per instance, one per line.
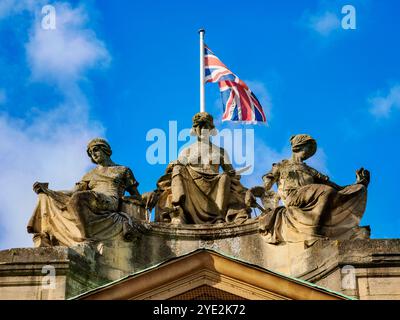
(41, 240)
(363, 177)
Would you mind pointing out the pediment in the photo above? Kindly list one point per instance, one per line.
(208, 275)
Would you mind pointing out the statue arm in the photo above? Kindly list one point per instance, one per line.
(268, 182)
(259, 191)
(226, 164)
(43, 187)
(271, 177)
(228, 168)
(132, 184)
(323, 179)
(133, 191)
(149, 199)
(333, 185)
(362, 175)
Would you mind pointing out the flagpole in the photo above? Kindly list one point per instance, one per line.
(202, 83)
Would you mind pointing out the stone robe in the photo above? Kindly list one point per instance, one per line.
(90, 213)
(206, 195)
(314, 208)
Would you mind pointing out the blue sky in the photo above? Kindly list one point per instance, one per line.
(121, 68)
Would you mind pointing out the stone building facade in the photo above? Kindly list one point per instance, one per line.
(360, 269)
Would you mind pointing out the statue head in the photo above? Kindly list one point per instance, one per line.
(203, 125)
(98, 150)
(304, 145)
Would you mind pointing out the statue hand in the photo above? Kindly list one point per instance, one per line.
(150, 199)
(363, 177)
(40, 187)
(258, 191)
(250, 199)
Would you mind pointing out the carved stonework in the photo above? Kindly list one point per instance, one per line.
(92, 211)
(193, 191)
(314, 207)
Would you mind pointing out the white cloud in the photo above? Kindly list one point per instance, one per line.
(382, 105)
(64, 54)
(3, 96)
(326, 18)
(323, 23)
(50, 146)
(12, 7)
(49, 149)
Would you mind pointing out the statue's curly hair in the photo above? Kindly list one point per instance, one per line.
(201, 118)
(102, 143)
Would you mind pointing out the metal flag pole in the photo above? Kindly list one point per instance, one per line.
(202, 83)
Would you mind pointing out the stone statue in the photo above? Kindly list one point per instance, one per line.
(193, 190)
(92, 210)
(314, 207)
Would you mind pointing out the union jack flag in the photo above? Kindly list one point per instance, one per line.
(240, 104)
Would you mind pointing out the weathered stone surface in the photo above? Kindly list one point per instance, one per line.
(92, 210)
(314, 207)
(23, 272)
(375, 266)
(193, 191)
(376, 262)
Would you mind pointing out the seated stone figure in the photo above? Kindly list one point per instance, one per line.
(91, 211)
(194, 191)
(314, 207)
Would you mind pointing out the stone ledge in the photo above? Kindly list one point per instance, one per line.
(20, 259)
(371, 252)
(23, 268)
(36, 255)
(326, 256)
(83, 267)
(204, 232)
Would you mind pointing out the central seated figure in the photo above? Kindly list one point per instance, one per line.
(194, 191)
